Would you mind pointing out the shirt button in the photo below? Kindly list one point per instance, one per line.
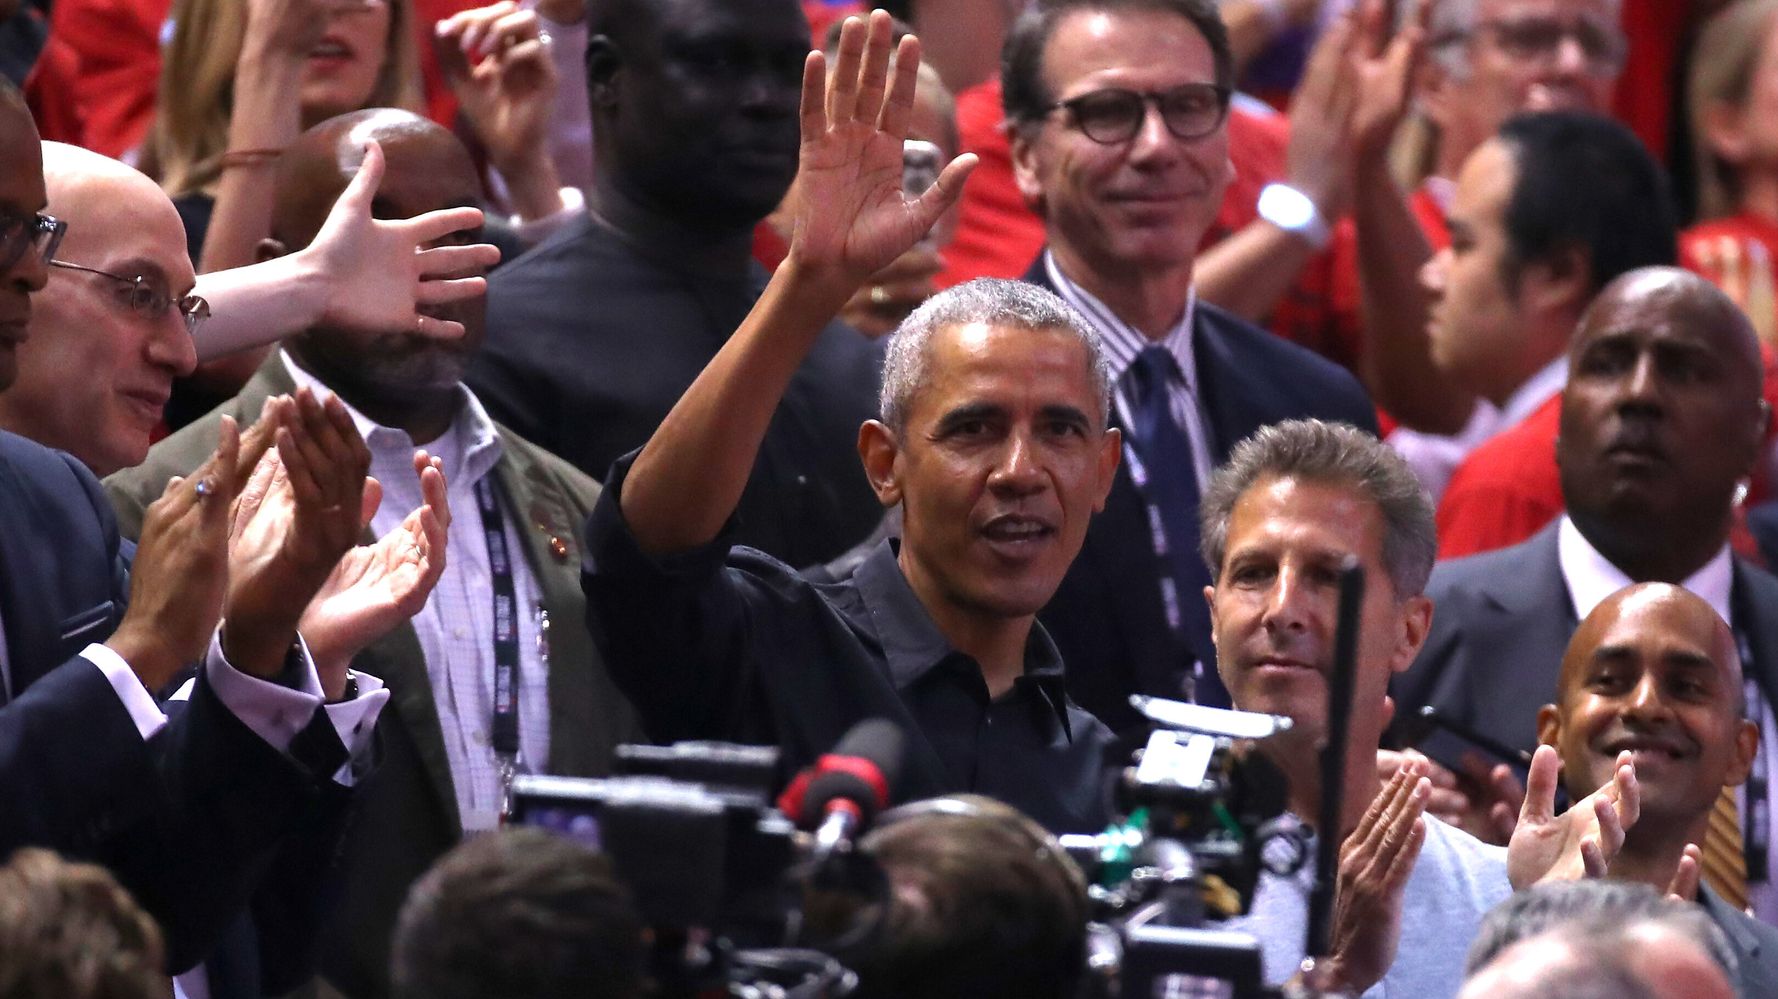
(459, 634)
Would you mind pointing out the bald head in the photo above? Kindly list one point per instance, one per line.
(425, 163)
(1661, 418)
(106, 338)
(1653, 670)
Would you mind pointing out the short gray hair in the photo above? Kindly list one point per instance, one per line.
(985, 300)
(1600, 909)
(1329, 452)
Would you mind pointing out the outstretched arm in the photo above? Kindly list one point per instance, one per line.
(852, 220)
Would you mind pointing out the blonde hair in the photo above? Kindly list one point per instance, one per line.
(1727, 52)
(197, 88)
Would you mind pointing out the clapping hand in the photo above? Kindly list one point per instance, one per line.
(180, 572)
(498, 65)
(289, 535)
(1375, 862)
(1383, 67)
(377, 587)
(853, 219)
(1580, 842)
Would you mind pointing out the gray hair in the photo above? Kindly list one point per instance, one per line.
(1601, 910)
(1448, 26)
(1329, 452)
(985, 300)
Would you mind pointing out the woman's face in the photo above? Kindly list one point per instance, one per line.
(1759, 130)
(343, 66)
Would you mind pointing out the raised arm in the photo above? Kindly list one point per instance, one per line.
(852, 220)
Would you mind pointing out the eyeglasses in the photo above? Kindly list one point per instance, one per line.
(35, 233)
(1114, 116)
(148, 299)
(1540, 39)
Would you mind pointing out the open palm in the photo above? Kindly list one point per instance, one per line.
(852, 215)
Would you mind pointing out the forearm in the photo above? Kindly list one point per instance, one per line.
(1397, 361)
(532, 186)
(1250, 272)
(266, 116)
(258, 305)
(690, 474)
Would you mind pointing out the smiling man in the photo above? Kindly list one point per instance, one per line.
(1654, 671)
(110, 331)
(993, 439)
(1118, 111)
(1660, 420)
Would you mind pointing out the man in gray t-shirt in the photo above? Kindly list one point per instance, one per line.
(1293, 504)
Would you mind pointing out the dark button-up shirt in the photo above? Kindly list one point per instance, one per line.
(729, 643)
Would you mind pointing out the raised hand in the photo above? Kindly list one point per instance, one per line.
(499, 68)
(180, 572)
(1317, 160)
(1383, 70)
(377, 587)
(1684, 886)
(852, 218)
(1375, 862)
(377, 271)
(1580, 842)
(291, 534)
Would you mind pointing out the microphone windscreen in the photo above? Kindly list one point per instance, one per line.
(880, 741)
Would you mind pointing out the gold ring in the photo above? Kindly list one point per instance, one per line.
(879, 295)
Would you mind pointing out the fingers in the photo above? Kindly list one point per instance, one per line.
(1591, 859)
(436, 225)
(258, 438)
(1611, 832)
(1626, 792)
(268, 476)
(873, 76)
(942, 195)
(898, 104)
(438, 329)
(1684, 887)
(812, 112)
(358, 194)
(1540, 787)
(368, 503)
(1504, 784)
(1503, 819)
(433, 488)
(842, 83)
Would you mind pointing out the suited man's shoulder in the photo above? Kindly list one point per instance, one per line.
(36, 467)
(542, 471)
(1290, 366)
(1486, 571)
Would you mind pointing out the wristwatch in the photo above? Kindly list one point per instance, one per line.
(1294, 212)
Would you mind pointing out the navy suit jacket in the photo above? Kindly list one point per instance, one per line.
(1501, 621)
(186, 820)
(1107, 617)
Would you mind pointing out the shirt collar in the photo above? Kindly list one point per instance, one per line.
(1591, 578)
(470, 447)
(1123, 341)
(913, 646)
(1536, 390)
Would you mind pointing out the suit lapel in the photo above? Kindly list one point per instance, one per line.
(25, 609)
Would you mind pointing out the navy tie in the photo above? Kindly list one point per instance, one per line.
(1166, 455)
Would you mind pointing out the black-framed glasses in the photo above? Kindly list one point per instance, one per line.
(35, 233)
(148, 299)
(1114, 116)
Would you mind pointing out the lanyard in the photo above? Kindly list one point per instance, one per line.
(504, 728)
(1756, 832)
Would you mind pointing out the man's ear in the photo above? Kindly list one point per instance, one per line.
(1563, 281)
(1111, 451)
(1549, 725)
(1416, 621)
(1023, 139)
(1746, 748)
(602, 63)
(269, 248)
(881, 454)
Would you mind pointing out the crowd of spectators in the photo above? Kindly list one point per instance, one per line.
(399, 397)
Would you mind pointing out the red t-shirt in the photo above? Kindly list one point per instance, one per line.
(998, 235)
(1506, 490)
(95, 82)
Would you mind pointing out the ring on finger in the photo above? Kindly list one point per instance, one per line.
(203, 488)
(879, 295)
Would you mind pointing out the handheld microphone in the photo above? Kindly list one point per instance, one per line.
(847, 787)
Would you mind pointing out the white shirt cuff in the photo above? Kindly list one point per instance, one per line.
(136, 699)
(532, 231)
(276, 713)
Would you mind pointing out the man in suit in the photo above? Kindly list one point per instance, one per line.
(1118, 114)
(441, 773)
(1654, 670)
(1660, 420)
(185, 811)
(596, 333)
